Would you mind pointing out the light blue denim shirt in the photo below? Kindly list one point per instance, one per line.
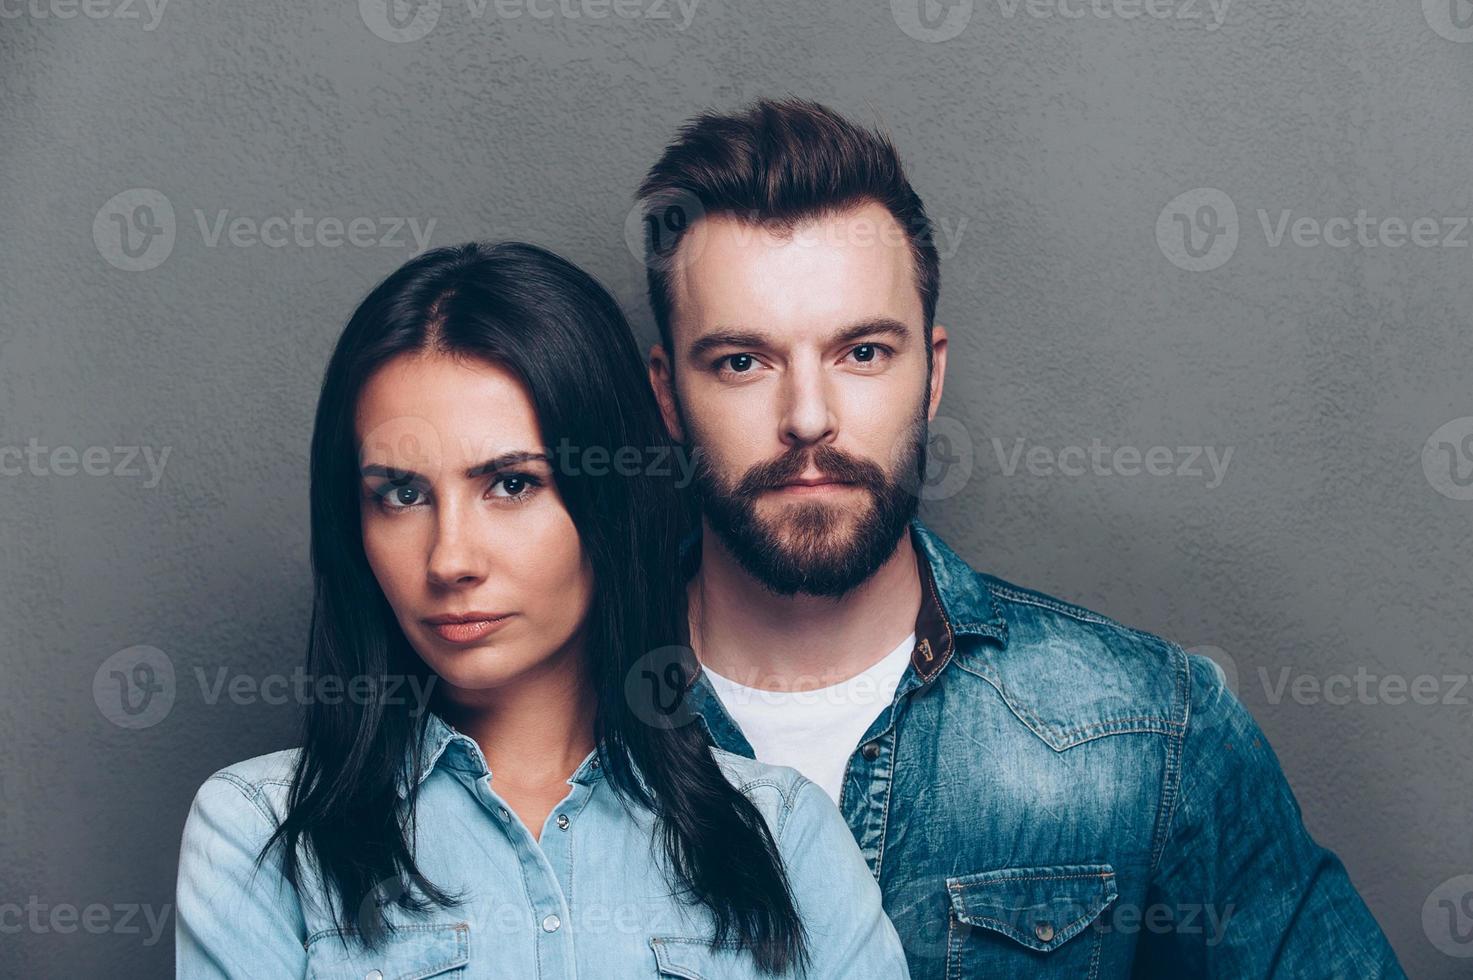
(588, 900)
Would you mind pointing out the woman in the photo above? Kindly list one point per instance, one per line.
(500, 781)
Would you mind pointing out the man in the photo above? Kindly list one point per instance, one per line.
(1039, 790)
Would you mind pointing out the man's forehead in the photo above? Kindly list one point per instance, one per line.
(817, 274)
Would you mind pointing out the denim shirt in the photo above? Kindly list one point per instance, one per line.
(586, 900)
(1052, 794)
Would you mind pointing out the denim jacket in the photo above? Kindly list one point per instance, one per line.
(586, 900)
(1052, 794)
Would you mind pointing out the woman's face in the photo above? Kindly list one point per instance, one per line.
(462, 520)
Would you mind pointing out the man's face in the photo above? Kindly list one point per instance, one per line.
(799, 379)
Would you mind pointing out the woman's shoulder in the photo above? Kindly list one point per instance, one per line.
(777, 791)
(255, 786)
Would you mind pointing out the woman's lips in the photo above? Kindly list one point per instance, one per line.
(469, 632)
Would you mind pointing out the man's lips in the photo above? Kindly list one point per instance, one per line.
(820, 485)
(467, 627)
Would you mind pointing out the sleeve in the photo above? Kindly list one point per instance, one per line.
(1266, 900)
(233, 920)
(849, 934)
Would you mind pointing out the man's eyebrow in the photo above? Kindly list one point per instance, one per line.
(873, 326)
(492, 465)
(726, 338)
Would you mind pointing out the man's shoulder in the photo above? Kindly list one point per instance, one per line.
(1072, 674)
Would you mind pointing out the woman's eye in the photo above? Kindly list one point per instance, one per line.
(515, 486)
(395, 497)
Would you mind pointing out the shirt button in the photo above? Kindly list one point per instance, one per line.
(551, 923)
(562, 821)
(501, 812)
(871, 750)
(373, 975)
(1044, 931)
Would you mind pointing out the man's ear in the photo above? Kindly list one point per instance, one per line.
(938, 368)
(663, 382)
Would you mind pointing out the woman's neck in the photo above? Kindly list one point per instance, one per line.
(534, 731)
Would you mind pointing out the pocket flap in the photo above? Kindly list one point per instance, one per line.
(1042, 908)
(693, 959)
(411, 952)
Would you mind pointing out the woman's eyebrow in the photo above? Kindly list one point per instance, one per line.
(492, 465)
(506, 459)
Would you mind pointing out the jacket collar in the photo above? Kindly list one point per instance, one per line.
(954, 600)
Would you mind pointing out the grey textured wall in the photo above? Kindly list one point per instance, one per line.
(1064, 146)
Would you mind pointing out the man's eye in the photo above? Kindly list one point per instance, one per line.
(737, 363)
(869, 353)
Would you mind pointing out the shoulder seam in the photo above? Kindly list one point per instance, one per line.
(251, 791)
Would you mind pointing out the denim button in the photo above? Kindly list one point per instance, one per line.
(1044, 931)
(871, 750)
(551, 923)
(562, 821)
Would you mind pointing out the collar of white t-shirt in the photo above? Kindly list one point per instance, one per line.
(814, 731)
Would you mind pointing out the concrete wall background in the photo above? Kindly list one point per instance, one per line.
(1050, 140)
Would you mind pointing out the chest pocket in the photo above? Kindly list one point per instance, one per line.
(694, 959)
(412, 952)
(1028, 921)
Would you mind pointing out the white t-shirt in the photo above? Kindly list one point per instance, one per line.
(815, 731)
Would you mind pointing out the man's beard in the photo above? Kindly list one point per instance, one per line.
(802, 549)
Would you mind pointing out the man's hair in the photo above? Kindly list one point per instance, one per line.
(774, 164)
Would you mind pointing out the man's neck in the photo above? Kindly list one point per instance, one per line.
(746, 633)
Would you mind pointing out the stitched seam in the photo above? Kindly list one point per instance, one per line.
(249, 790)
(587, 798)
(958, 886)
(407, 927)
(885, 809)
(1153, 724)
(787, 794)
(1064, 609)
(1094, 960)
(953, 950)
(1175, 749)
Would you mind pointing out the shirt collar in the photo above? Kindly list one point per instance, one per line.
(442, 745)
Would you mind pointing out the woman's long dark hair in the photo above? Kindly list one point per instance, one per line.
(563, 335)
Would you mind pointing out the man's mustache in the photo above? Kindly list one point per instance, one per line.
(831, 463)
